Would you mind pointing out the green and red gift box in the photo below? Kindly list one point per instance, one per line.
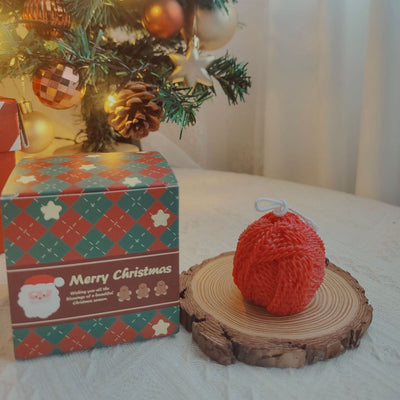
(92, 251)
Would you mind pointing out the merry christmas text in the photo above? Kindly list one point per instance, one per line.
(124, 273)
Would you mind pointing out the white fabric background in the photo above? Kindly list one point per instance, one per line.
(362, 236)
(324, 106)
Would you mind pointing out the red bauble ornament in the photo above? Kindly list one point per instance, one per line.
(163, 18)
(279, 263)
(49, 18)
(58, 85)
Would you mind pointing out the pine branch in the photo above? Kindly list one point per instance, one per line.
(120, 62)
(148, 55)
(180, 104)
(9, 39)
(92, 13)
(22, 56)
(232, 76)
(10, 8)
(213, 4)
(78, 49)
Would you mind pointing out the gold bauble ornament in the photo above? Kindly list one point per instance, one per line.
(38, 128)
(163, 18)
(215, 28)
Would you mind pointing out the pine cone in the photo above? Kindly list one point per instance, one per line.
(133, 114)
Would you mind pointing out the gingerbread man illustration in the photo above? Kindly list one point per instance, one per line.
(143, 291)
(161, 288)
(124, 293)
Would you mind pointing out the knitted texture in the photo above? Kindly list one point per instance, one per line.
(279, 263)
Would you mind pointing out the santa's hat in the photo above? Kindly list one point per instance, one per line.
(44, 279)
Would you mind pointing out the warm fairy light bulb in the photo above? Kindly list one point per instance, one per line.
(111, 100)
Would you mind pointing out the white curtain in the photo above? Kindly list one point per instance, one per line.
(324, 108)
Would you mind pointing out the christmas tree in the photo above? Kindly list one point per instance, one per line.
(130, 64)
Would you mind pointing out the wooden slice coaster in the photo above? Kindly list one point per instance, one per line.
(226, 327)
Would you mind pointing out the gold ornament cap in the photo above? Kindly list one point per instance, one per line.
(25, 106)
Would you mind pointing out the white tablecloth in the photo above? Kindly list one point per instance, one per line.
(361, 236)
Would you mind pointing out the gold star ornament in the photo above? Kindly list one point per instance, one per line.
(192, 68)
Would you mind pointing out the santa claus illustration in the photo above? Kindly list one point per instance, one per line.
(39, 296)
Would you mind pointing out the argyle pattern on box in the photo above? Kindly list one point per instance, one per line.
(88, 206)
(65, 209)
(94, 333)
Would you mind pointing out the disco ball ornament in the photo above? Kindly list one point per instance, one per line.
(58, 85)
(47, 17)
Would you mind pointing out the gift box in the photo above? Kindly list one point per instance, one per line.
(92, 254)
(12, 136)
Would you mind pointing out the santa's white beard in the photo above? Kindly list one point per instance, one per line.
(39, 308)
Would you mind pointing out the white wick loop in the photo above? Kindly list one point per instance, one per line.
(280, 207)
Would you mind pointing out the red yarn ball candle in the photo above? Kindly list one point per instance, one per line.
(279, 263)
